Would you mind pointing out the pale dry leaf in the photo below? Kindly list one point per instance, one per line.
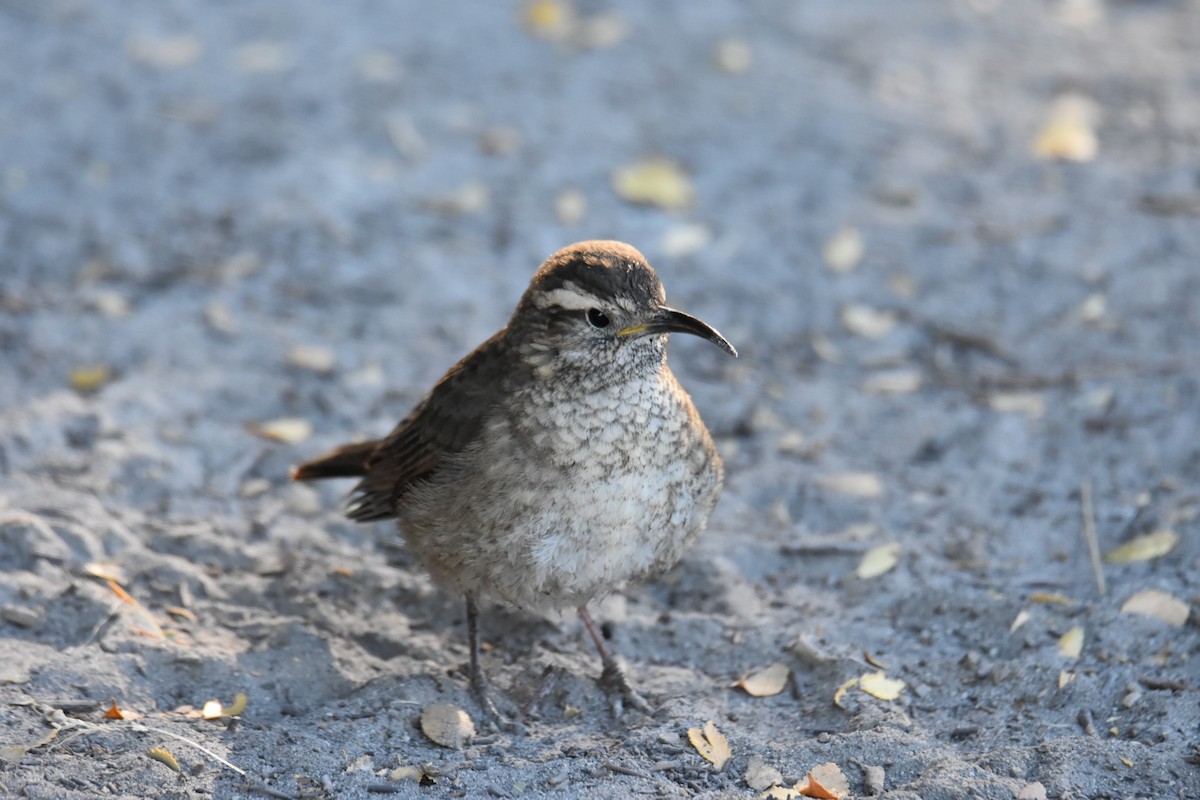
(1158, 604)
(1070, 644)
(711, 744)
(1031, 404)
(733, 55)
(759, 776)
(447, 725)
(1144, 548)
(312, 357)
(163, 52)
(1022, 617)
(1069, 134)
(685, 239)
(879, 685)
(655, 181)
(1032, 791)
(220, 318)
(409, 773)
(878, 560)
(843, 251)
(570, 206)
(855, 484)
(1065, 677)
(361, 763)
(870, 323)
(289, 430)
(893, 382)
(766, 682)
(212, 710)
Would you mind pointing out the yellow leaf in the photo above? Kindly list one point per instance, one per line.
(162, 756)
(654, 181)
(90, 378)
(1144, 548)
(1069, 134)
(1159, 605)
(766, 682)
(878, 560)
(237, 707)
(711, 745)
(1126, 760)
(548, 18)
(841, 691)
(877, 684)
(1070, 644)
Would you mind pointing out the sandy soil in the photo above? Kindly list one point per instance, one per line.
(190, 191)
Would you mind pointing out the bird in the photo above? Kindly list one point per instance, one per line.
(558, 461)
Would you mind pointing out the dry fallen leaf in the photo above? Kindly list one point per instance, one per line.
(758, 776)
(733, 55)
(447, 725)
(114, 712)
(163, 52)
(214, 710)
(1070, 133)
(1159, 605)
(893, 381)
(289, 430)
(90, 378)
(877, 684)
(1031, 404)
(654, 181)
(163, 756)
(711, 745)
(1144, 548)
(878, 560)
(1052, 598)
(841, 691)
(824, 781)
(843, 251)
(312, 357)
(1019, 620)
(1065, 677)
(870, 323)
(855, 484)
(1070, 644)
(766, 682)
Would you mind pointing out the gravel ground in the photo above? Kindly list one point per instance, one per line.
(956, 243)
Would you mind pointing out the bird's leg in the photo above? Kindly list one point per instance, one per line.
(479, 684)
(613, 679)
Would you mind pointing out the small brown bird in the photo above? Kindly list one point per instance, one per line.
(557, 461)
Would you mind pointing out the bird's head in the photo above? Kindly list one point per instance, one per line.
(599, 304)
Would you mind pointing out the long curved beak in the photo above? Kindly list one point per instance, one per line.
(668, 320)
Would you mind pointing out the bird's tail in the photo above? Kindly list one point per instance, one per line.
(347, 461)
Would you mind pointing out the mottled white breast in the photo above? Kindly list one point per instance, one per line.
(580, 498)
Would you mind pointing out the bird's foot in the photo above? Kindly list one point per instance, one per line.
(620, 693)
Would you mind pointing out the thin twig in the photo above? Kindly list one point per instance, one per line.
(261, 788)
(1089, 534)
(633, 773)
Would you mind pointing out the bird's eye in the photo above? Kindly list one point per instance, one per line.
(597, 318)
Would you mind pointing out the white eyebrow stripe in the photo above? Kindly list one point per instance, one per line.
(568, 296)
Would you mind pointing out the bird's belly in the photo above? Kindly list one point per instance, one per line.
(552, 523)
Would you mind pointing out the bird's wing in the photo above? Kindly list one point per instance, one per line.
(446, 421)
